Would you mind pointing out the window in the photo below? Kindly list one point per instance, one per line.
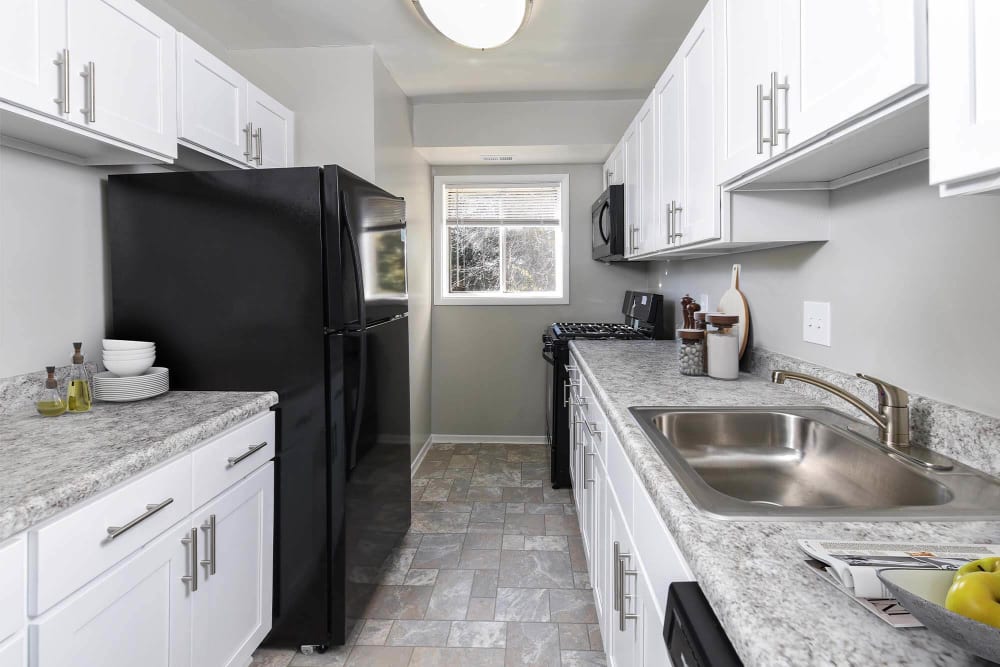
(501, 239)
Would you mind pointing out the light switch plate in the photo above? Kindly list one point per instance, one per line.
(816, 322)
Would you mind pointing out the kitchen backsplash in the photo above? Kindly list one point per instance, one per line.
(970, 437)
(19, 391)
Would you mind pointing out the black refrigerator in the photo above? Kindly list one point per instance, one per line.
(292, 280)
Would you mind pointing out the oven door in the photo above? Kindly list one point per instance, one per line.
(608, 225)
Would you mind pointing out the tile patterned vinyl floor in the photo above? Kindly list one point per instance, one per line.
(492, 573)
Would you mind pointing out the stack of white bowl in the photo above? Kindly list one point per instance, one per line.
(128, 358)
(131, 375)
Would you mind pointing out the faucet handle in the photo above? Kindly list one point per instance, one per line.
(889, 395)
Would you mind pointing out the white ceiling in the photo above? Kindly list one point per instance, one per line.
(609, 48)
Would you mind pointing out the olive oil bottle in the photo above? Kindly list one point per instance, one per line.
(78, 390)
(50, 402)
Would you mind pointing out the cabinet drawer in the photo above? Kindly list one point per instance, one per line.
(76, 547)
(13, 583)
(14, 652)
(661, 558)
(230, 457)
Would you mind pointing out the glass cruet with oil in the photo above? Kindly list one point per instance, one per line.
(50, 402)
(78, 389)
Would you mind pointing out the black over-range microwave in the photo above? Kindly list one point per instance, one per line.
(608, 224)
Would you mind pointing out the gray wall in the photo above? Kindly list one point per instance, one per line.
(53, 283)
(488, 372)
(908, 275)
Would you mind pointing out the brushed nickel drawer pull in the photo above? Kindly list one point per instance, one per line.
(117, 531)
(253, 449)
(209, 527)
(191, 543)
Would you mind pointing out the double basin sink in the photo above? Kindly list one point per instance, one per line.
(809, 464)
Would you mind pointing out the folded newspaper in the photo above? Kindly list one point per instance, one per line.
(853, 568)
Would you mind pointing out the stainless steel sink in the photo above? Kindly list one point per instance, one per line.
(808, 463)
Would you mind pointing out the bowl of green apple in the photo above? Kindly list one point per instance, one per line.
(963, 606)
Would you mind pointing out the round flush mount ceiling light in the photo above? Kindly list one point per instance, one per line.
(477, 24)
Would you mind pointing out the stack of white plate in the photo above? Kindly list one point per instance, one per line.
(110, 387)
(128, 358)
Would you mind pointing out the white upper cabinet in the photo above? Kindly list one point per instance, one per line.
(696, 216)
(747, 52)
(273, 130)
(123, 74)
(630, 158)
(842, 59)
(669, 94)
(614, 169)
(211, 103)
(32, 50)
(649, 235)
(965, 95)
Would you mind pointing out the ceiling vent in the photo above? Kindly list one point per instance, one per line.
(497, 158)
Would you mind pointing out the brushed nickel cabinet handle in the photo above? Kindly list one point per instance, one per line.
(677, 210)
(117, 531)
(587, 480)
(191, 542)
(209, 528)
(248, 153)
(614, 580)
(775, 89)
(761, 98)
(251, 450)
(259, 159)
(62, 63)
(89, 101)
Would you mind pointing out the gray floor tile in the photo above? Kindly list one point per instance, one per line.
(479, 559)
(574, 636)
(513, 542)
(488, 512)
(596, 642)
(522, 604)
(437, 489)
(481, 609)
(535, 569)
(462, 461)
(520, 494)
(528, 453)
(561, 525)
(482, 541)
(577, 555)
(439, 550)
(572, 606)
(489, 494)
(379, 656)
(430, 468)
(532, 645)
(546, 543)
(421, 577)
(441, 506)
(534, 471)
(484, 585)
(582, 580)
(274, 657)
(515, 508)
(450, 599)
(478, 634)
(392, 602)
(583, 659)
(419, 633)
(374, 632)
(457, 657)
(524, 524)
(544, 508)
(457, 475)
(335, 656)
(439, 522)
(489, 528)
(551, 495)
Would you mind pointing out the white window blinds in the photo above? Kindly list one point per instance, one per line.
(509, 204)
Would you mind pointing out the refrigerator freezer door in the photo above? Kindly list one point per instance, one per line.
(370, 274)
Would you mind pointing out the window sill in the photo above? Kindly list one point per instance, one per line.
(500, 301)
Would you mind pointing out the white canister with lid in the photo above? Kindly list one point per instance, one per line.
(723, 346)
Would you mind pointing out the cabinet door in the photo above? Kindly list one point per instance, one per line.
(669, 92)
(965, 89)
(650, 228)
(32, 37)
(274, 130)
(620, 644)
(614, 167)
(630, 156)
(832, 79)
(652, 646)
(211, 102)
(747, 52)
(698, 218)
(139, 613)
(232, 609)
(598, 531)
(129, 56)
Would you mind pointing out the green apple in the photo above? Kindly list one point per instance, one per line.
(976, 595)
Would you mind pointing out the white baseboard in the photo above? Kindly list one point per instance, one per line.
(489, 439)
(419, 458)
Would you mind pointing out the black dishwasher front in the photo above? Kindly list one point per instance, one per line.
(693, 634)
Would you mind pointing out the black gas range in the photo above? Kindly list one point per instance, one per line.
(646, 317)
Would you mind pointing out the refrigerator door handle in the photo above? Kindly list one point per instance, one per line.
(359, 285)
(359, 404)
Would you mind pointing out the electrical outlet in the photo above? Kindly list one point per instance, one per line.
(816, 322)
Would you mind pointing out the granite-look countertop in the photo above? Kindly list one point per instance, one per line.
(50, 463)
(775, 611)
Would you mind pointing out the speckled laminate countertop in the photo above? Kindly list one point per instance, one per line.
(775, 611)
(50, 463)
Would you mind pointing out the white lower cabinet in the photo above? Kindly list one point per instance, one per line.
(632, 557)
(236, 539)
(138, 613)
(191, 589)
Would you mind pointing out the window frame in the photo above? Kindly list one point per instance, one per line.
(441, 295)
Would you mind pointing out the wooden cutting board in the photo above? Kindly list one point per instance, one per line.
(734, 303)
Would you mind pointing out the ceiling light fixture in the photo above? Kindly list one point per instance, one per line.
(477, 24)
